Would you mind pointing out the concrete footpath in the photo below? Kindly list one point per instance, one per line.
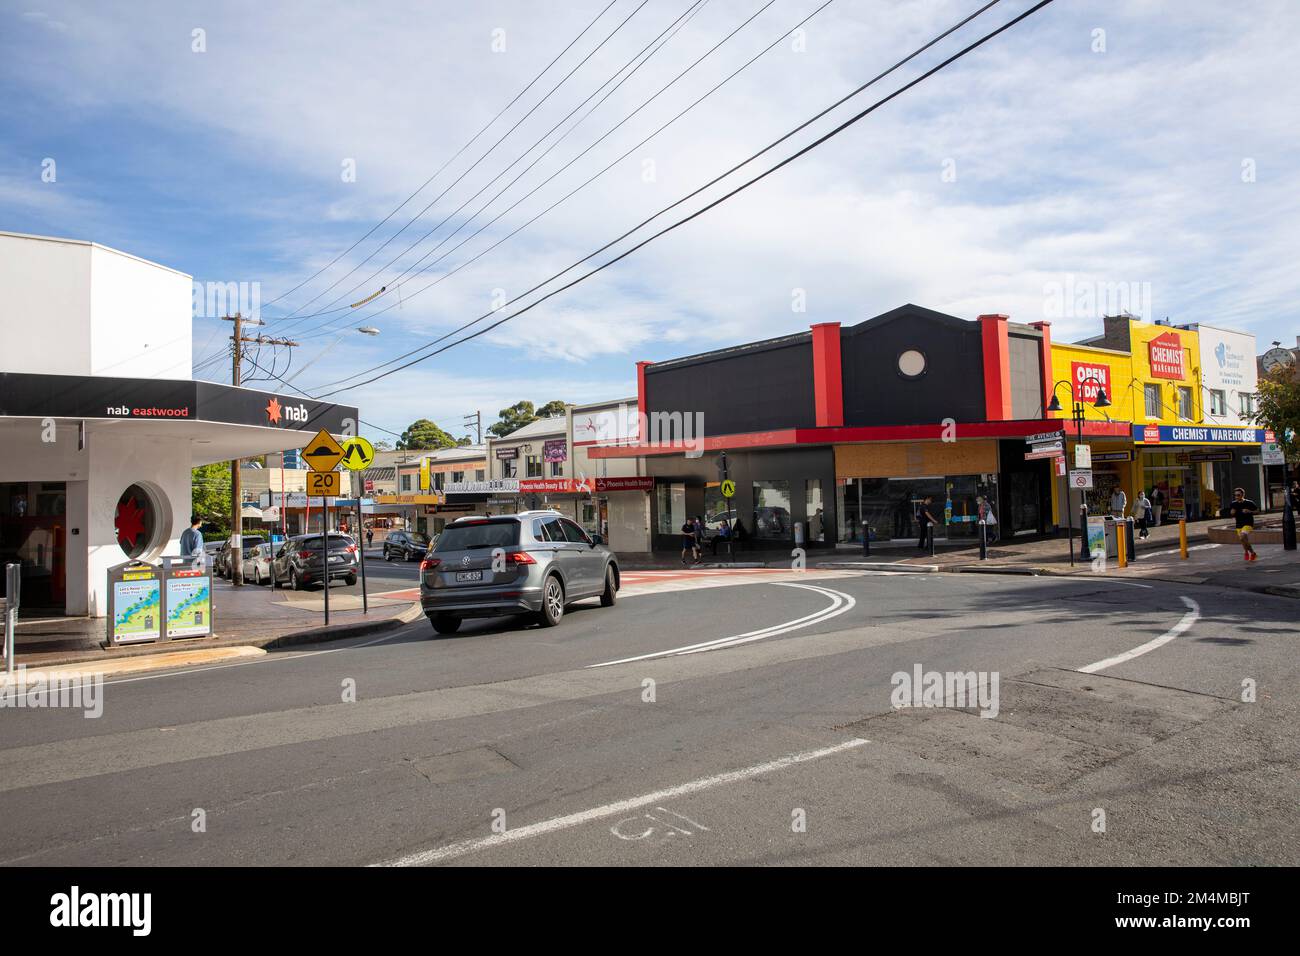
(249, 616)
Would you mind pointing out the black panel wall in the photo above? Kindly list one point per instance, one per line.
(877, 393)
(754, 388)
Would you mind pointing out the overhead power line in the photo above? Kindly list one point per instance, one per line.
(856, 118)
(458, 152)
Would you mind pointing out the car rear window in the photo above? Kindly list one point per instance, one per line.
(485, 534)
(337, 542)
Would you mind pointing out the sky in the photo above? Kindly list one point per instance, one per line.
(1098, 156)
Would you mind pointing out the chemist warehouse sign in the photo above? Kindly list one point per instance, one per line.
(1196, 435)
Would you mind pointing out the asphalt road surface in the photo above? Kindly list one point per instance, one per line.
(751, 721)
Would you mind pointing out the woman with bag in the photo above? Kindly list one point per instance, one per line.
(1143, 509)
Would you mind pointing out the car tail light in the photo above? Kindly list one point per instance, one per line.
(521, 557)
(305, 555)
(428, 564)
(351, 549)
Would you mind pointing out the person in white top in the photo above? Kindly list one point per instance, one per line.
(1118, 503)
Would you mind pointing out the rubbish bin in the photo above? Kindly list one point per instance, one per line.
(1101, 536)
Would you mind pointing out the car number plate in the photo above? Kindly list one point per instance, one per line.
(468, 576)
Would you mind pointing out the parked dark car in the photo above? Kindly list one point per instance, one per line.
(301, 561)
(533, 563)
(407, 545)
(221, 563)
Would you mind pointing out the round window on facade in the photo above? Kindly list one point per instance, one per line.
(141, 523)
(911, 364)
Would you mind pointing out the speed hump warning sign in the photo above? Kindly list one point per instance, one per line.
(323, 453)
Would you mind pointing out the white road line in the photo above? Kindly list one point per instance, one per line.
(840, 602)
(555, 824)
(1191, 617)
(1195, 547)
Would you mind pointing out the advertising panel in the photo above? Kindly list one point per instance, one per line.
(189, 605)
(1228, 366)
(137, 608)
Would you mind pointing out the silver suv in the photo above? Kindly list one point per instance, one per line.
(534, 563)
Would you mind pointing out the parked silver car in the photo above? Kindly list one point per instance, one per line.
(532, 563)
(257, 565)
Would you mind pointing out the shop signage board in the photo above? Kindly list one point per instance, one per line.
(1206, 456)
(1083, 456)
(1112, 456)
(1165, 353)
(503, 453)
(481, 487)
(630, 483)
(1044, 453)
(1043, 437)
(556, 449)
(1252, 459)
(358, 454)
(1088, 378)
(1081, 480)
(323, 453)
(1197, 435)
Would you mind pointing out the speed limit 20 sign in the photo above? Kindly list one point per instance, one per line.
(324, 484)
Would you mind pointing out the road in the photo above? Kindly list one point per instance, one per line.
(753, 724)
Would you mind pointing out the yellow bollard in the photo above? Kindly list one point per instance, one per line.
(1182, 538)
(1121, 544)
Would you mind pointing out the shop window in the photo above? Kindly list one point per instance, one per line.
(479, 475)
(1247, 404)
(457, 477)
(1185, 403)
(670, 502)
(406, 482)
(557, 469)
(772, 510)
(509, 468)
(1218, 403)
(1154, 405)
(534, 466)
(812, 496)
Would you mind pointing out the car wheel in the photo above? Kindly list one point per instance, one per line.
(552, 602)
(609, 596)
(388, 556)
(294, 583)
(257, 576)
(351, 579)
(445, 623)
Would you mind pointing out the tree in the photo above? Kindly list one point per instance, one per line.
(464, 440)
(513, 418)
(520, 414)
(210, 493)
(424, 435)
(383, 445)
(1279, 409)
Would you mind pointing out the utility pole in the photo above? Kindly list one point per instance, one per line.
(477, 421)
(237, 341)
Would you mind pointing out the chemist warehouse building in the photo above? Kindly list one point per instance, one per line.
(837, 429)
(101, 422)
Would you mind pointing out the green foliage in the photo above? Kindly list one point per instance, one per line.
(210, 493)
(520, 414)
(1279, 408)
(424, 435)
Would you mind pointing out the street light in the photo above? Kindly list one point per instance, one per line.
(1077, 415)
(364, 330)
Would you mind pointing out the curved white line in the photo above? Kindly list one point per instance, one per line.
(840, 602)
(1191, 617)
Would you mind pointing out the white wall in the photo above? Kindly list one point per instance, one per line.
(73, 308)
(44, 306)
(1227, 365)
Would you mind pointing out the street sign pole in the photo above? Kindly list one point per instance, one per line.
(325, 553)
(361, 542)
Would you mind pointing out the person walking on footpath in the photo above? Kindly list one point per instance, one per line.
(1118, 502)
(1243, 510)
(699, 537)
(192, 539)
(1142, 511)
(926, 521)
(1157, 505)
(688, 541)
(370, 535)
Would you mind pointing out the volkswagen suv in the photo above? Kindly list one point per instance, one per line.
(533, 563)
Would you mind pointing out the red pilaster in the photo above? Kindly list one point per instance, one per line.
(640, 388)
(997, 367)
(1045, 360)
(828, 375)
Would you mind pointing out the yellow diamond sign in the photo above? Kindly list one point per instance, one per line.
(323, 453)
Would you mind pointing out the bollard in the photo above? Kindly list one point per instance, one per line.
(13, 597)
(1084, 553)
(1182, 538)
(1121, 547)
(984, 540)
(866, 541)
(931, 531)
(1132, 541)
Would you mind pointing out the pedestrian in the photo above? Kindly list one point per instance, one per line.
(1157, 504)
(1243, 510)
(1118, 502)
(926, 521)
(723, 535)
(688, 540)
(990, 520)
(699, 537)
(1142, 511)
(370, 535)
(192, 539)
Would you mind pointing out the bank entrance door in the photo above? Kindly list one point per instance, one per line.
(33, 533)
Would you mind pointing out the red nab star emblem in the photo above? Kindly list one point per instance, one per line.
(129, 523)
(273, 412)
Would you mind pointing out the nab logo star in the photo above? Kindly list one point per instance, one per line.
(273, 412)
